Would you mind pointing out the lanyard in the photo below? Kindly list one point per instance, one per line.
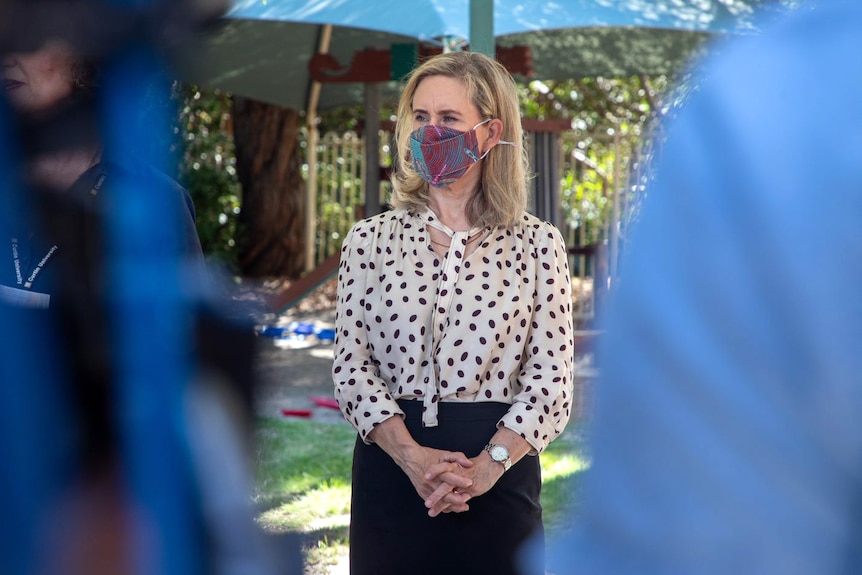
(16, 257)
(16, 261)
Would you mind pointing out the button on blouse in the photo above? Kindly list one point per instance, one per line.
(491, 325)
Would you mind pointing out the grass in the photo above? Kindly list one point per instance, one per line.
(303, 483)
(562, 463)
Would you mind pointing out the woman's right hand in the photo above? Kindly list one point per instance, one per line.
(434, 473)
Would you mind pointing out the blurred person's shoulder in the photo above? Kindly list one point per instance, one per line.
(141, 172)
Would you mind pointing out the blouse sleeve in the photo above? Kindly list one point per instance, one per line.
(542, 407)
(362, 395)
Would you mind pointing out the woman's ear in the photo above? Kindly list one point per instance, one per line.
(495, 132)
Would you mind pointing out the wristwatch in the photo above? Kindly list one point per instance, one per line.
(500, 454)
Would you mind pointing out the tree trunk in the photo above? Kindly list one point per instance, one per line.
(269, 162)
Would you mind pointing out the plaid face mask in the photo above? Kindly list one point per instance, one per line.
(442, 155)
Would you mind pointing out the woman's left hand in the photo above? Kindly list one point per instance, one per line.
(484, 473)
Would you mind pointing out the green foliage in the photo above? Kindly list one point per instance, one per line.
(340, 120)
(596, 104)
(610, 119)
(208, 168)
(351, 118)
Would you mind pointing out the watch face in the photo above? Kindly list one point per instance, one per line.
(499, 453)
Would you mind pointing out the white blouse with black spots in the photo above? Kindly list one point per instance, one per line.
(493, 326)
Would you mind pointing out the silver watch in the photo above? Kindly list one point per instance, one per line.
(500, 454)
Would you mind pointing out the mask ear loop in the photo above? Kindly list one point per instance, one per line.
(488, 151)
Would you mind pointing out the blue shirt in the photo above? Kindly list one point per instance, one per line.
(34, 264)
(727, 430)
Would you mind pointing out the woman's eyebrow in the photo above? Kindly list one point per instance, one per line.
(446, 112)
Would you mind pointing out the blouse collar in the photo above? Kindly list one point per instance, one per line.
(430, 218)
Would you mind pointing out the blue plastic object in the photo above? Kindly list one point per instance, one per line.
(273, 331)
(326, 334)
(302, 328)
(297, 330)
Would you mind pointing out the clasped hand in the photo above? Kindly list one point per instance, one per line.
(447, 480)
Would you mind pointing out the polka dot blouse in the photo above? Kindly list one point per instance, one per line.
(495, 325)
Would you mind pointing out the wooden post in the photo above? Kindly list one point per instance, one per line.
(311, 157)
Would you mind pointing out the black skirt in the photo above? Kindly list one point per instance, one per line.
(390, 530)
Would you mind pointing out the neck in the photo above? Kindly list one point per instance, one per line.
(449, 204)
(450, 208)
(62, 169)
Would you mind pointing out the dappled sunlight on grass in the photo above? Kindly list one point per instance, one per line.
(303, 486)
(325, 555)
(323, 509)
(562, 465)
(296, 459)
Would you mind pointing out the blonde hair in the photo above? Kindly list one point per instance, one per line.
(502, 194)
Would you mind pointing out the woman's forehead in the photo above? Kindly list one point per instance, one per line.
(52, 51)
(441, 93)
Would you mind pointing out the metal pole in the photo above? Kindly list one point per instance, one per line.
(372, 149)
(482, 27)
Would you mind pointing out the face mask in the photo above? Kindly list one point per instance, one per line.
(442, 155)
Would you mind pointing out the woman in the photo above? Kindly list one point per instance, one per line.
(52, 92)
(454, 342)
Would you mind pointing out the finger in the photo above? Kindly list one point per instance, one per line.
(452, 473)
(434, 500)
(440, 507)
(438, 469)
(456, 502)
(457, 498)
(457, 457)
(456, 480)
(446, 498)
(452, 501)
(457, 508)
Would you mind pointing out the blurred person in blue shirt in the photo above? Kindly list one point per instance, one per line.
(58, 306)
(726, 434)
(53, 91)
